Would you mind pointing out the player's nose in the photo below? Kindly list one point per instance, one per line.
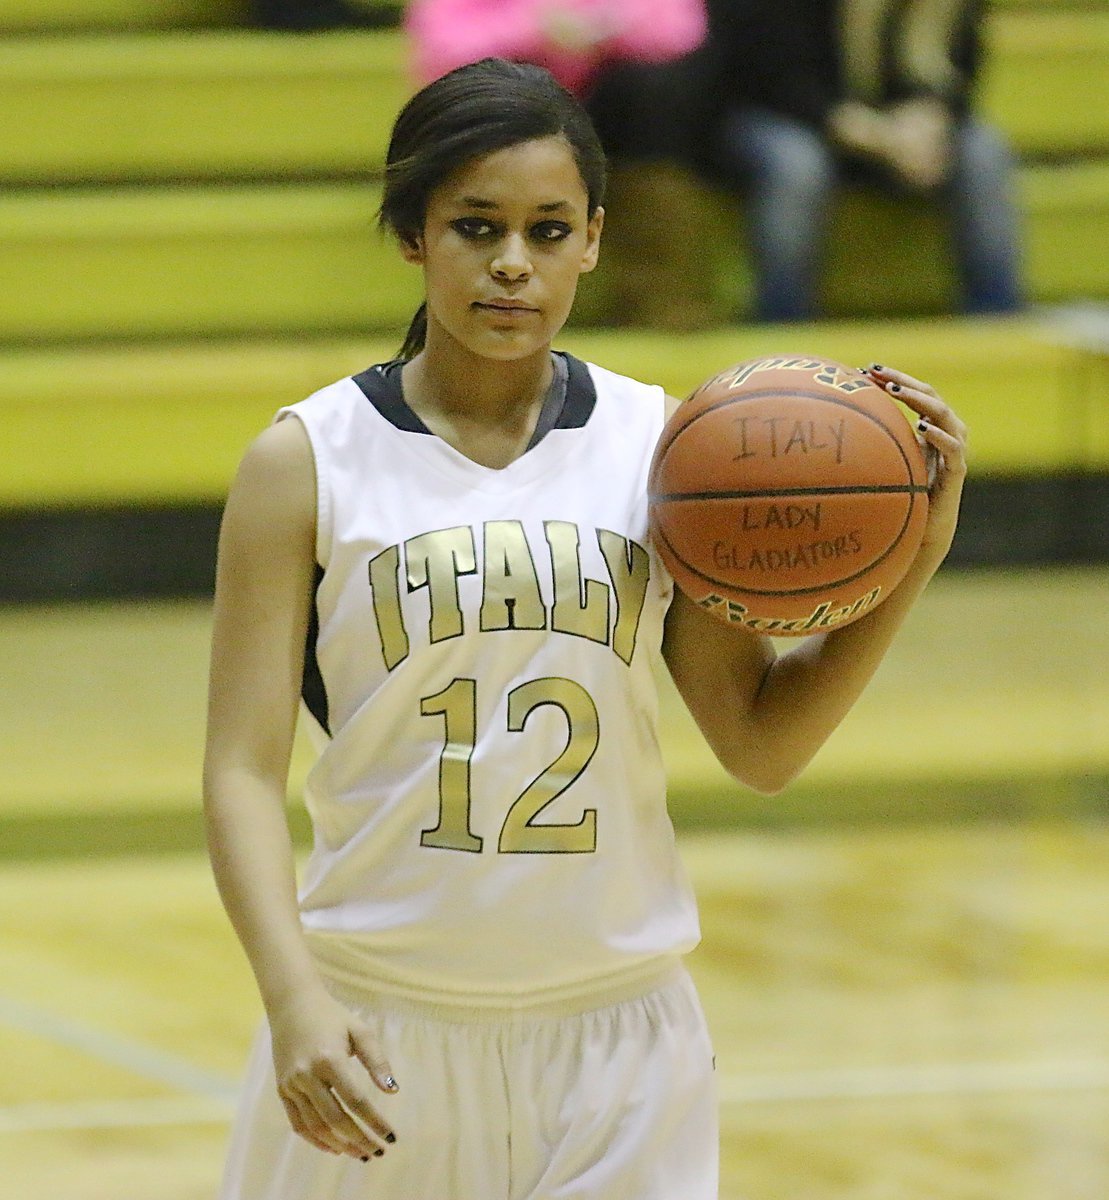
(512, 261)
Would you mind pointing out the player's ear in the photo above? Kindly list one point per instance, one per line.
(593, 240)
(412, 248)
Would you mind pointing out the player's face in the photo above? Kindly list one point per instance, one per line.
(505, 240)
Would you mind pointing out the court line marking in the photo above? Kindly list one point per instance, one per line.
(115, 1114)
(134, 1056)
(950, 1079)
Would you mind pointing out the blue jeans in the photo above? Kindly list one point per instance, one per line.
(788, 173)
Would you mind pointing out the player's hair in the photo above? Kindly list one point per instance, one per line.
(472, 111)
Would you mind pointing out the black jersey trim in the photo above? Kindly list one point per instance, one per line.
(313, 690)
(381, 385)
(581, 395)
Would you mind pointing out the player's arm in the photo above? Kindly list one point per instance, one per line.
(765, 715)
(263, 589)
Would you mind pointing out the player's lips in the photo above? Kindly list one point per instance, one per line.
(505, 306)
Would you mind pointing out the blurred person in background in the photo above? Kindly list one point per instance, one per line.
(816, 94)
(628, 63)
(576, 40)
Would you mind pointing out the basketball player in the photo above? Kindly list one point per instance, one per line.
(478, 991)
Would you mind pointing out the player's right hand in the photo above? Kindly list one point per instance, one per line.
(325, 1059)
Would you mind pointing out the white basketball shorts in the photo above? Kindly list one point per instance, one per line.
(616, 1103)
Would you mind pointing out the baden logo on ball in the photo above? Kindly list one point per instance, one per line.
(788, 494)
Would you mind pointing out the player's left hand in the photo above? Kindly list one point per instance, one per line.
(943, 438)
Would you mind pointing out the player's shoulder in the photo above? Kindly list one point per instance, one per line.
(274, 484)
(345, 412)
(280, 453)
(612, 383)
(339, 394)
(623, 399)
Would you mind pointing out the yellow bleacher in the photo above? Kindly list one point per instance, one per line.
(229, 103)
(187, 205)
(202, 104)
(166, 423)
(120, 112)
(38, 16)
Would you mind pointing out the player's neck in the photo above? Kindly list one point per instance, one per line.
(487, 409)
(450, 379)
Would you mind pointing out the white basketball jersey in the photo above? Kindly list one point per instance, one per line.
(489, 804)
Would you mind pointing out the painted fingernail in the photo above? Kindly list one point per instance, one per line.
(390, 1138)
(390, 1083)
(922, 425)
(894, 387)
(378, 1153)
(365, 1158)
(876, 367)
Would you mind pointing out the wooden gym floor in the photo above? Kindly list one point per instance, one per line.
(905, 960)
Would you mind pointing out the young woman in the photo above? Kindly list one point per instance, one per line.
(478, 991)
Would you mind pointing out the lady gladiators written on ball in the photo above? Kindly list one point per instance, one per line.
(803, 554)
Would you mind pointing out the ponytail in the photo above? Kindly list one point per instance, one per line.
(416, 336)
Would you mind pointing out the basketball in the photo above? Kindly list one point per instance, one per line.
(788, 495)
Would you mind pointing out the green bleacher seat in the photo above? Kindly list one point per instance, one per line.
(29, 16)
(253, 112)
(37, 16)
(1047, 6)
(41, 16)
(198, 261)
(202, 105)
(168, 423)
(281, 258)
(187, 242)
(1066, 214)
(1045, 80)
(220, 104)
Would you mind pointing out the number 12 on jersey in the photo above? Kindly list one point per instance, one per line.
(520, 833)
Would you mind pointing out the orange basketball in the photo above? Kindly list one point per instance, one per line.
(788, 495)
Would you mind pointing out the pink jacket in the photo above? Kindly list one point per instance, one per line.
(573, 39)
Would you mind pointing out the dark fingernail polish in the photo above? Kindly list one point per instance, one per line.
(365, 1158)
(895, 387)
(922, 425)
(876, 366)
(390, 1083)
(390, 1138)
(378, 1153)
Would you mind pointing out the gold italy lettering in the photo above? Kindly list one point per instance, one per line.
(510, 597)
(435, 561)
(578, 611)
(629, 568)
(385, 589)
